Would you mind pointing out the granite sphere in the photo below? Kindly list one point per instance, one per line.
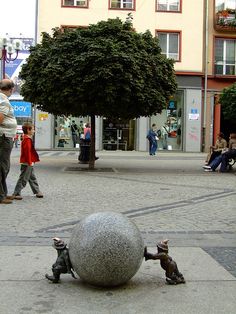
(106, 249)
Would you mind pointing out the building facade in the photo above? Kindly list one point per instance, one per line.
(220, 53)
(184, 36)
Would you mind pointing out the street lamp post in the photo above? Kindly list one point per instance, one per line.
(9, 52)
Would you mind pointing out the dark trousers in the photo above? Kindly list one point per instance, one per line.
(6, 144)
(26, 175)
(74, 139)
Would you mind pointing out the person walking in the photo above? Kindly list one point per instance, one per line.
(16, 140)
(74, 130)
(8, 127)
(152, 137)
(27, 159)
(164, 135)
(81, 130)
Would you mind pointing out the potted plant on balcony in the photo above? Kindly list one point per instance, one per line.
(226, 20)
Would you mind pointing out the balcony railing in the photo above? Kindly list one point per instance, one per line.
(225, 20)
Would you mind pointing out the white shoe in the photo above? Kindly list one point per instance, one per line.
(206, 167)
(208, 170)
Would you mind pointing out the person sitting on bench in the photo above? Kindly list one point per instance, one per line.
(224, 158)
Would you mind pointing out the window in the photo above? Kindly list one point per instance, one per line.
(225, 56)
(168, 5)
(122, 4)
(169, 43)
(72, 27)
(75, 3)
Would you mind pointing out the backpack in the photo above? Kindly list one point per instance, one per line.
(159, 133)
(87, 136)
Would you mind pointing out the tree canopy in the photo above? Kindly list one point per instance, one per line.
(228, 102)
(106, 69)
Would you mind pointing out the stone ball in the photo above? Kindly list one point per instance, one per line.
(106, 249)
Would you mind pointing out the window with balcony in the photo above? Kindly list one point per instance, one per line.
(75, 3)
(225, 14)
(225, 56)
(169, 43)
(168, 5)
(122, 4)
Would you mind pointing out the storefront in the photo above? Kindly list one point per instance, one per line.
(180, 124)
(116, 134)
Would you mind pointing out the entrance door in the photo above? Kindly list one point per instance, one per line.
(118, 134)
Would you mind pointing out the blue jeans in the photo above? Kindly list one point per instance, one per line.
(153, 147)
(215, 163)
(223, 159)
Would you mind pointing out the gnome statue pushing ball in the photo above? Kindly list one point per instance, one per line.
(173, 276)
(62, 264)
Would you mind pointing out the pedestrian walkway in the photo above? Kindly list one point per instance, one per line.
(166, 196)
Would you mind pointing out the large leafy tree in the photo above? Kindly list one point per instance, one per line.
(228, 102)
(107, 69)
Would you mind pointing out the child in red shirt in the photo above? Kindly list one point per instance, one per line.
(27, 159)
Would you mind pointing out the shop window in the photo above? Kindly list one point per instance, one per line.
(68, 131)
(168, 5)
(118, 134)
(75, 3)
(122, 4)
(169, 43)
(225, 56)
(171, 123)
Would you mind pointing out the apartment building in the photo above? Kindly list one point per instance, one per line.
(180, 26)
(220, 54)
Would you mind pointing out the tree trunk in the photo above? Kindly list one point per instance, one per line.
(92, 144)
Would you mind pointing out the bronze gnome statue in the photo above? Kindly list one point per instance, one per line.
(173, 276)
(62, 264)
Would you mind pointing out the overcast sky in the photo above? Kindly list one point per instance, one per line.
(17, 16)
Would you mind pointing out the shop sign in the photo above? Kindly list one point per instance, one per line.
(22, 109)
(43, 116)
(172, 105)
(194, 115)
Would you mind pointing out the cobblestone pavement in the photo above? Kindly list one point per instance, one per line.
(167, 196)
